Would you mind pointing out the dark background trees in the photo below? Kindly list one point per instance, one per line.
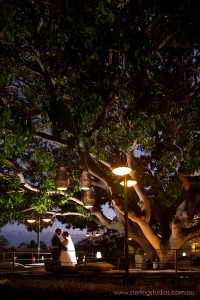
(93, 84)
(3, 241)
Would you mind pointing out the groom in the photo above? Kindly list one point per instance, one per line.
(56, 245)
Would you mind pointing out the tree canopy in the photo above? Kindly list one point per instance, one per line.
(92, 84)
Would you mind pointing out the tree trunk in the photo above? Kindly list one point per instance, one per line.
(167, 258)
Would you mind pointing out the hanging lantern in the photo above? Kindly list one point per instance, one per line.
(62, 178)
(88, 199)
(85, 180)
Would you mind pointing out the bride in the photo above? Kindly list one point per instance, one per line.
(67, 258)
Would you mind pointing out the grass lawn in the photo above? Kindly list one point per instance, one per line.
(15, 286)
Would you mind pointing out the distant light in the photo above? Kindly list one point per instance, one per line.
(62, 188)
(121, 171)
(31, 221)
(184, 253)
(129, 183)
(98, 255)
(88, 206)
(46, 220)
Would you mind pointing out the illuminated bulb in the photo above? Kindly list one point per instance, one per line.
(31, 221)
(98, 254)
(121, 171)
(129, 183)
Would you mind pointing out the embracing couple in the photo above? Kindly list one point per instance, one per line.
(59, 248)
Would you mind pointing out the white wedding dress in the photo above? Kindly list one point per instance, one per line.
(71, 250)
(68, 258)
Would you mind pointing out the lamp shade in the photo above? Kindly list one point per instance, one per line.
(121, 171)
(88, 198)
(62, 178)
(129, 183)
(46, 220)
(85, 180)
(31, 221)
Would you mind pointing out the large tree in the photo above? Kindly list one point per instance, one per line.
(92, 84)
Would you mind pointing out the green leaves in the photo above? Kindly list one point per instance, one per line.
(5, 118)
(100, 72)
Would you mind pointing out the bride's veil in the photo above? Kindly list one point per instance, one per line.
(71, 250)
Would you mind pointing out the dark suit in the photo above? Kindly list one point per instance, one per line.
(56, 246)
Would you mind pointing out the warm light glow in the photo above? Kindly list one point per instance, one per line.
(84, 188)
(129, 183)
(88, 199)
(98, 254)
(121, 171)
(46, 220)
(85, 181)
(61, 188)
(88, 206)
(88, 234)
(97, 233)
(31, 221)
(62, 179)
(184, 253)
(193, 247)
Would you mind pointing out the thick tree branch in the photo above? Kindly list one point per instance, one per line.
(190, 197)
(191, 232)
(102, 218)
(76, 200)
(64, 214)
(130, 154)
(26, 184)
(115, 224)
(164, 42)
(185, 181)
(105, 163)
(99, 123)
(144, 201)
(51, 138)
(149, 234)
(176, 239)
(88, 162)
(21, 178)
